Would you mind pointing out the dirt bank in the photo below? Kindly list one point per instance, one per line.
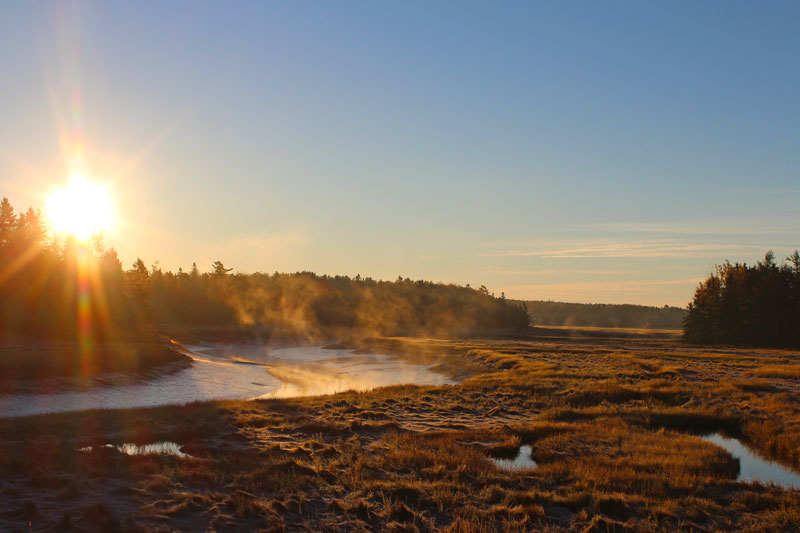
(24, 361)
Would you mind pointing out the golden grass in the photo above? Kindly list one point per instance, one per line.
(778, 371)
(612, 424)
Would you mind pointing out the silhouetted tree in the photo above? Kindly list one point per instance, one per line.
(137, 282)
(30, 229)
(45, 284)
(8, 221)
(740, 304)
(794, 259)
(219, 268)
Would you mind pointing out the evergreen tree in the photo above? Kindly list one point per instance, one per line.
(748, 305)
(219, 268)
(8, 222)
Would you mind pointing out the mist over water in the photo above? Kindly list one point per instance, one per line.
(234, 371)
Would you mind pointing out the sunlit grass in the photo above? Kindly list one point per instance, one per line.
(612, 428)
(779, 371)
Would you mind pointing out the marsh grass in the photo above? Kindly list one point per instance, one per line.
(778, 371)
(612, 423)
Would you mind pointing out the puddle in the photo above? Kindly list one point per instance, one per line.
(155, 448)
(522, 461)
(754, 468)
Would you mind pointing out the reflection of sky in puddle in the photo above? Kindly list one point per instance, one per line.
(218, 373)
(155, 448)
(522, 461)
(754, 468)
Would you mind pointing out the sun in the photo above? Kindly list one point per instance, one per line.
(82, 208)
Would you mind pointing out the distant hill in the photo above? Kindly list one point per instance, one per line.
(547, 313)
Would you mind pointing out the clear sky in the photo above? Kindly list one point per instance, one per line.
(575, 151)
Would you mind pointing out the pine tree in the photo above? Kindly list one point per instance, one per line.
(219, 268)
(8, 222)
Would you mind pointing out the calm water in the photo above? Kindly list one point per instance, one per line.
(234, 371)
(522, 461)
(754, 468)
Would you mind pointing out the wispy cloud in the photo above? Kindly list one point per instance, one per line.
(631, 249)
(559, 271)
(722, 227)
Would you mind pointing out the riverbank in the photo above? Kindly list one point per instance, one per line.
(614, 425)
(243, 369)
(27, 362)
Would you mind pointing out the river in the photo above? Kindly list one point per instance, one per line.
(229, 371)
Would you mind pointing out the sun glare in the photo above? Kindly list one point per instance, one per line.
(82, 208)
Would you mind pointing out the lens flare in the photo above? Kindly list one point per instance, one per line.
(82, 209)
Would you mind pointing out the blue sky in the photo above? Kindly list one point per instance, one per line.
(581, 151)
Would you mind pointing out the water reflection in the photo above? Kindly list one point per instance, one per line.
(235, 371)
(155, 448)
(207, 379)
(522, 461)
(311, 372)
(754, 468)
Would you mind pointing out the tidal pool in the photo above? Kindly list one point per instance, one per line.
(232, 371)
(522, 461)
(755, 468)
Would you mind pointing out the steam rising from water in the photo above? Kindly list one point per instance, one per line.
(314, 380)
(311, 370)
(304, 305)
(234, 371)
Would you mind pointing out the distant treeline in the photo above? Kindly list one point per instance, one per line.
(748, 305)
(55, 289)
(549, 313)
(307, 304)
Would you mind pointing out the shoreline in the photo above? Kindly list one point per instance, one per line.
(59, 364)
(238, 371)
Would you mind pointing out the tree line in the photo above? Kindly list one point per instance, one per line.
(308, 304)
(755, 305)
(64, 289)
(605, 315)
